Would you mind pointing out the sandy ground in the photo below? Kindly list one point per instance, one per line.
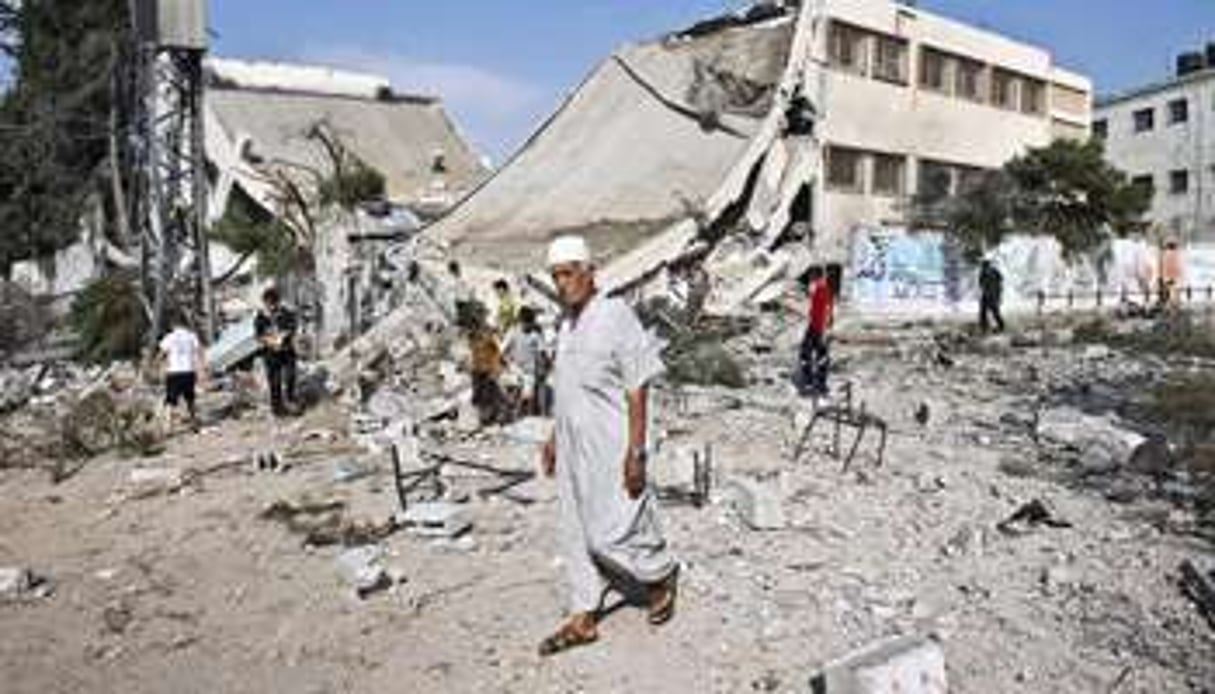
(192, 592)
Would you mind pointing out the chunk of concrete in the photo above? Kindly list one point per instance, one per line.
(756, 504)
(531, 430)
(363, 569)
(19, 583)
(900, 665)
(152, 481)
(15, 582)
(434, 519)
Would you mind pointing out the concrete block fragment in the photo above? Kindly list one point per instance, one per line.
(757, 505)
(363, 569)
(900, 665)
(434, 519)
(151, 481)
(14, 582)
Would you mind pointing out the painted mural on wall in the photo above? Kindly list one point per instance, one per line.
(892, 268)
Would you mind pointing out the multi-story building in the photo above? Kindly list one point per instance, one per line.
(1163, 136)
(915, 102)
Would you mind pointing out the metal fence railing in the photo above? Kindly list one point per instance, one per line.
(1186, 296)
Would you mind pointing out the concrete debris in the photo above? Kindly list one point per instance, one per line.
(756, 504)
(1100, 445)
(531, 430)
(900, 665)
(17, 387)
(1058, 579)
(968, 541)
(1198, 582)
(434, 519)
(147, 482)
(19, 583)
(363, 569)
(1029, 516)
(347, 471)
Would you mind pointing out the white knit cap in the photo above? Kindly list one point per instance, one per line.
(568, 249)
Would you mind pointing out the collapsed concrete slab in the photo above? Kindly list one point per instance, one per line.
(679, 141)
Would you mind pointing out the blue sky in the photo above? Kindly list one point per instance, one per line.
(502, 65)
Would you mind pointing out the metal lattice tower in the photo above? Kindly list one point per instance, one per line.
(171, 212)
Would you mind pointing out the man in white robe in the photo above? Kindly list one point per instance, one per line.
(609, 530)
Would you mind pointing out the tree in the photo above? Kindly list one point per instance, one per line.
(56, 119)
(1067, 191)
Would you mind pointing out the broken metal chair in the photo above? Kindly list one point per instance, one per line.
(409, 481)
(846, 415)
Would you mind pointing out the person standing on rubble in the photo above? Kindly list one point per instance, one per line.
(814, 357)
(525, 354)
(508, 308)
(184, 361)
(991, 294)
(275, 327)
(608, 525)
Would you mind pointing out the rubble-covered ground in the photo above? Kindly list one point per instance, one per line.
(196, 569)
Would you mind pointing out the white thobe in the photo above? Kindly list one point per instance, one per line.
(602, 356)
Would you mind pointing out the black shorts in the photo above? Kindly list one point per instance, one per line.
(179, 387)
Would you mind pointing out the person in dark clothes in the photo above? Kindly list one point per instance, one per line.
(275, 327)
(991, 291)
(814, 357)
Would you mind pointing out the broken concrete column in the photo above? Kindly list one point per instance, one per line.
(900, 665)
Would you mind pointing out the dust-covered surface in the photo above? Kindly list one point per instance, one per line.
(189, 570)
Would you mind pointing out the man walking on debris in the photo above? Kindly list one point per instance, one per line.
(991, 290)
(608, 525)
(275, 327)
(814, 357)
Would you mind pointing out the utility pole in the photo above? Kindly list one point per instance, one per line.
(170, 160)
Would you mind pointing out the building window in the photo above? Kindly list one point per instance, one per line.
(1101, 129)
(1179, 111)
(1002, 87)
(968, 79)
(1179, 182)
(1033, 97)
(1144, 182)
(1145, 119)
(847, 46)
(890, 60)
(844, 169)
(935, 180)
(934, 70)
(889, 174)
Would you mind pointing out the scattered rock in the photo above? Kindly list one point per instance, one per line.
(902, 665)
(1029, 516)
(434, 519)
(757, 505)
(1198, 582)
(363, 570)
(969, 540)
(146, 482)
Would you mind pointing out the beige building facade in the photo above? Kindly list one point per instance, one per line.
(914, 102)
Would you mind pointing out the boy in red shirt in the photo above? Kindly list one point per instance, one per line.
(814, 359)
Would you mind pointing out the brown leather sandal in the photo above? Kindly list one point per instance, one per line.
(570, 635)
(662, 607)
